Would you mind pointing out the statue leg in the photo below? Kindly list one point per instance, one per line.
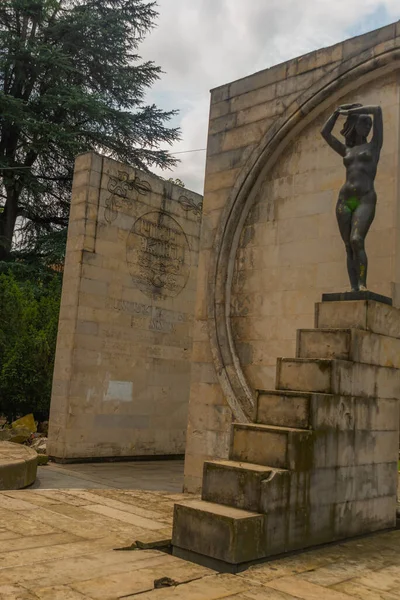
(344, 218)
(362, 219)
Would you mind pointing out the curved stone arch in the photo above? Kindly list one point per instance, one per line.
(348, 76)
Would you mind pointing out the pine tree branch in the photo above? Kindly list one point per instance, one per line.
(68, 89)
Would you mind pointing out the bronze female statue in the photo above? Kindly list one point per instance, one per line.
(355, 209)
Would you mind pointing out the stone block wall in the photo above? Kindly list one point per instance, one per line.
(122, 368)
(269, 168)
(291, 252)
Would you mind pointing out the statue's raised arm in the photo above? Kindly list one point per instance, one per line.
(326, 133)
(327, 129)
(376, 113)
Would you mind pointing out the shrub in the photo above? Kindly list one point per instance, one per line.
(29, 308)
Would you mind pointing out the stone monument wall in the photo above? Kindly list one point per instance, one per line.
(270, 245)
(122, 368)
(290, 250)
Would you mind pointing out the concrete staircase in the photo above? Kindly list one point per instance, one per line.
(320, 462)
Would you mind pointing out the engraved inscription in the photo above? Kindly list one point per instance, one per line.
(160, 325)
(145, 316)
(158, 255)
(119, 188)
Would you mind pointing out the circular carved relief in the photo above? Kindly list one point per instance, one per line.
(158, 255)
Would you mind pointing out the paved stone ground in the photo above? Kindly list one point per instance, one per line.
(136, 475)
(60, 545)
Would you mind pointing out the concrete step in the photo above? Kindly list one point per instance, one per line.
(349, 344)
(227, 539)
(219, 532)
(359, 314)
(325, 412)
(338, 377)
(283, 409)
(277, 447)
(236, 484)
(323, 343)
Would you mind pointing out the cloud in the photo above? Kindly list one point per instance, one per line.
(201, 44)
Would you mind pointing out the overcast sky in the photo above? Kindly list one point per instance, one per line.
(201, 44)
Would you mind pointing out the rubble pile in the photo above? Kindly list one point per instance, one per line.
(26, 431)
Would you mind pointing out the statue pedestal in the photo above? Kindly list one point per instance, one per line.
(348, 296)
(319, 463)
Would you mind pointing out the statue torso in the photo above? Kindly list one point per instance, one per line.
(361, 165)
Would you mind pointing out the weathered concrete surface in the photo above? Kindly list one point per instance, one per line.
(337, 377)
(122, 366)
(63, 549)
(18, 466)
(349, 344)
(164, 475)
(324, 469)
(284, 409)
(234, 483)
(282, 199)
(276, 447)
(368, 315)
(323, 411)
(221, 532)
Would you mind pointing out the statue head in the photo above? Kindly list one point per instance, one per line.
(356, 129)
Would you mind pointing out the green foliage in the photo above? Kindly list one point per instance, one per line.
(177, 181)
(29, 307)
(71, 81)
(46, 252)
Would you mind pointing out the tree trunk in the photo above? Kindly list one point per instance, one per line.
(7, 222)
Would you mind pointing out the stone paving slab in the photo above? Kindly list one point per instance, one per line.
(60, 545)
